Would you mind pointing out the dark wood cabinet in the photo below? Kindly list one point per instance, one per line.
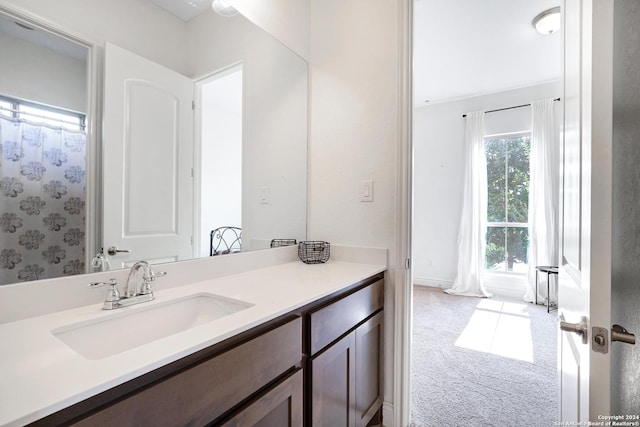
(280, 406)
(320, 365)
(204, 390)
(333, 382)
(345, 359)
(369, 347)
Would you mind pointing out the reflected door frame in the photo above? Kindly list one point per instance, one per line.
(200, 231)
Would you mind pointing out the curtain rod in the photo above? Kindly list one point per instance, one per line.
(509, 108)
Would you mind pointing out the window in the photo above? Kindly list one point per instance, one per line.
(6, 108)
(508, 202)
(55, 117)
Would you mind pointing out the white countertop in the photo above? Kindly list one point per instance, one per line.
(40, 375)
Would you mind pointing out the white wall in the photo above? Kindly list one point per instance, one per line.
(355, 133)
(38, 74)
(136, 25)
(286, 20)
(438, 134)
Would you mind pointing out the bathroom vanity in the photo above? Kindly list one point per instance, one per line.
(304, 349)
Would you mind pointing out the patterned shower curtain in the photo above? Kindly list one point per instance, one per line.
(42, 201)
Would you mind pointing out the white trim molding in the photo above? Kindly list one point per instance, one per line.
(506, 285)
(432, 283)
(398, 413)
(387, 413)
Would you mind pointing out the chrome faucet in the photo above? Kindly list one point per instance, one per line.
(147, 277)
(131, 294)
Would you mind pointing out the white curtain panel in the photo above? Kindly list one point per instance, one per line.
(543, 199)
(473, 223)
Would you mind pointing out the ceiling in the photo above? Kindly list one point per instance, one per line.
(464, 48)
(184, 9)
(42, 38)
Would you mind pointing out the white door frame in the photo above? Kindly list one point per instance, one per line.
(197, 149)
(403, 271)
(585, 264)
(403, 293)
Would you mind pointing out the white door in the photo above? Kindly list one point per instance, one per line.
(147, 160)
(585, 264)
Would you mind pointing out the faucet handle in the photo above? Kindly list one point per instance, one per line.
(112, 294)
(146, 281)
(156, 274)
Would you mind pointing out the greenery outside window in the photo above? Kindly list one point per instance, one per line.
(508, 202)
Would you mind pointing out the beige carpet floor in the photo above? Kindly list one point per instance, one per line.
(482, 362)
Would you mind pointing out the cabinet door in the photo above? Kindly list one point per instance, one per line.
(333, 380)
(281, 406)
(368, 369)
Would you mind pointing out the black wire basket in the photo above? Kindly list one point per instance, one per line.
(276, 243)
(314, 251)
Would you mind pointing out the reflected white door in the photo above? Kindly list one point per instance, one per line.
(147, 160)
(585, 265)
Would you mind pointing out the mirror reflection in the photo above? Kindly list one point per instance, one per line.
(246, 149)
(43, 148)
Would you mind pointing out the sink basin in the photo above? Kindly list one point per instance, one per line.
(131, 327)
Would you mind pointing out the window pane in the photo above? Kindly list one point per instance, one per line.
(5, 108)
(508, 175)
(496, 180)
(56, 119)
(517, 244)
(518, 153)
(496, 248)
(507, 249)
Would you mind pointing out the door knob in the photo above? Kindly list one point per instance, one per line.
(618, 333)
(113, 250)
(577, 328)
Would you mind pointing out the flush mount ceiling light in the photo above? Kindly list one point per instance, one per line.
(221, 7)
(547, 22)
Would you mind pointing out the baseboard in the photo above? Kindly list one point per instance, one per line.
(434, 283)
(387, 414)
(493, 286)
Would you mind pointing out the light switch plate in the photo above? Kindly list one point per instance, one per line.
(366, 190)
(264, 195)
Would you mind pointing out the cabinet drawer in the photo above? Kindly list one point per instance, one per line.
(280, 406)
(201, 394)
(331, 321)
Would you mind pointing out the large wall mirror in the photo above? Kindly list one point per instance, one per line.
(157, 193)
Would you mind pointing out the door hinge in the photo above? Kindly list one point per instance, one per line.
(407, 264)
(191, 172)
(193, 105)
